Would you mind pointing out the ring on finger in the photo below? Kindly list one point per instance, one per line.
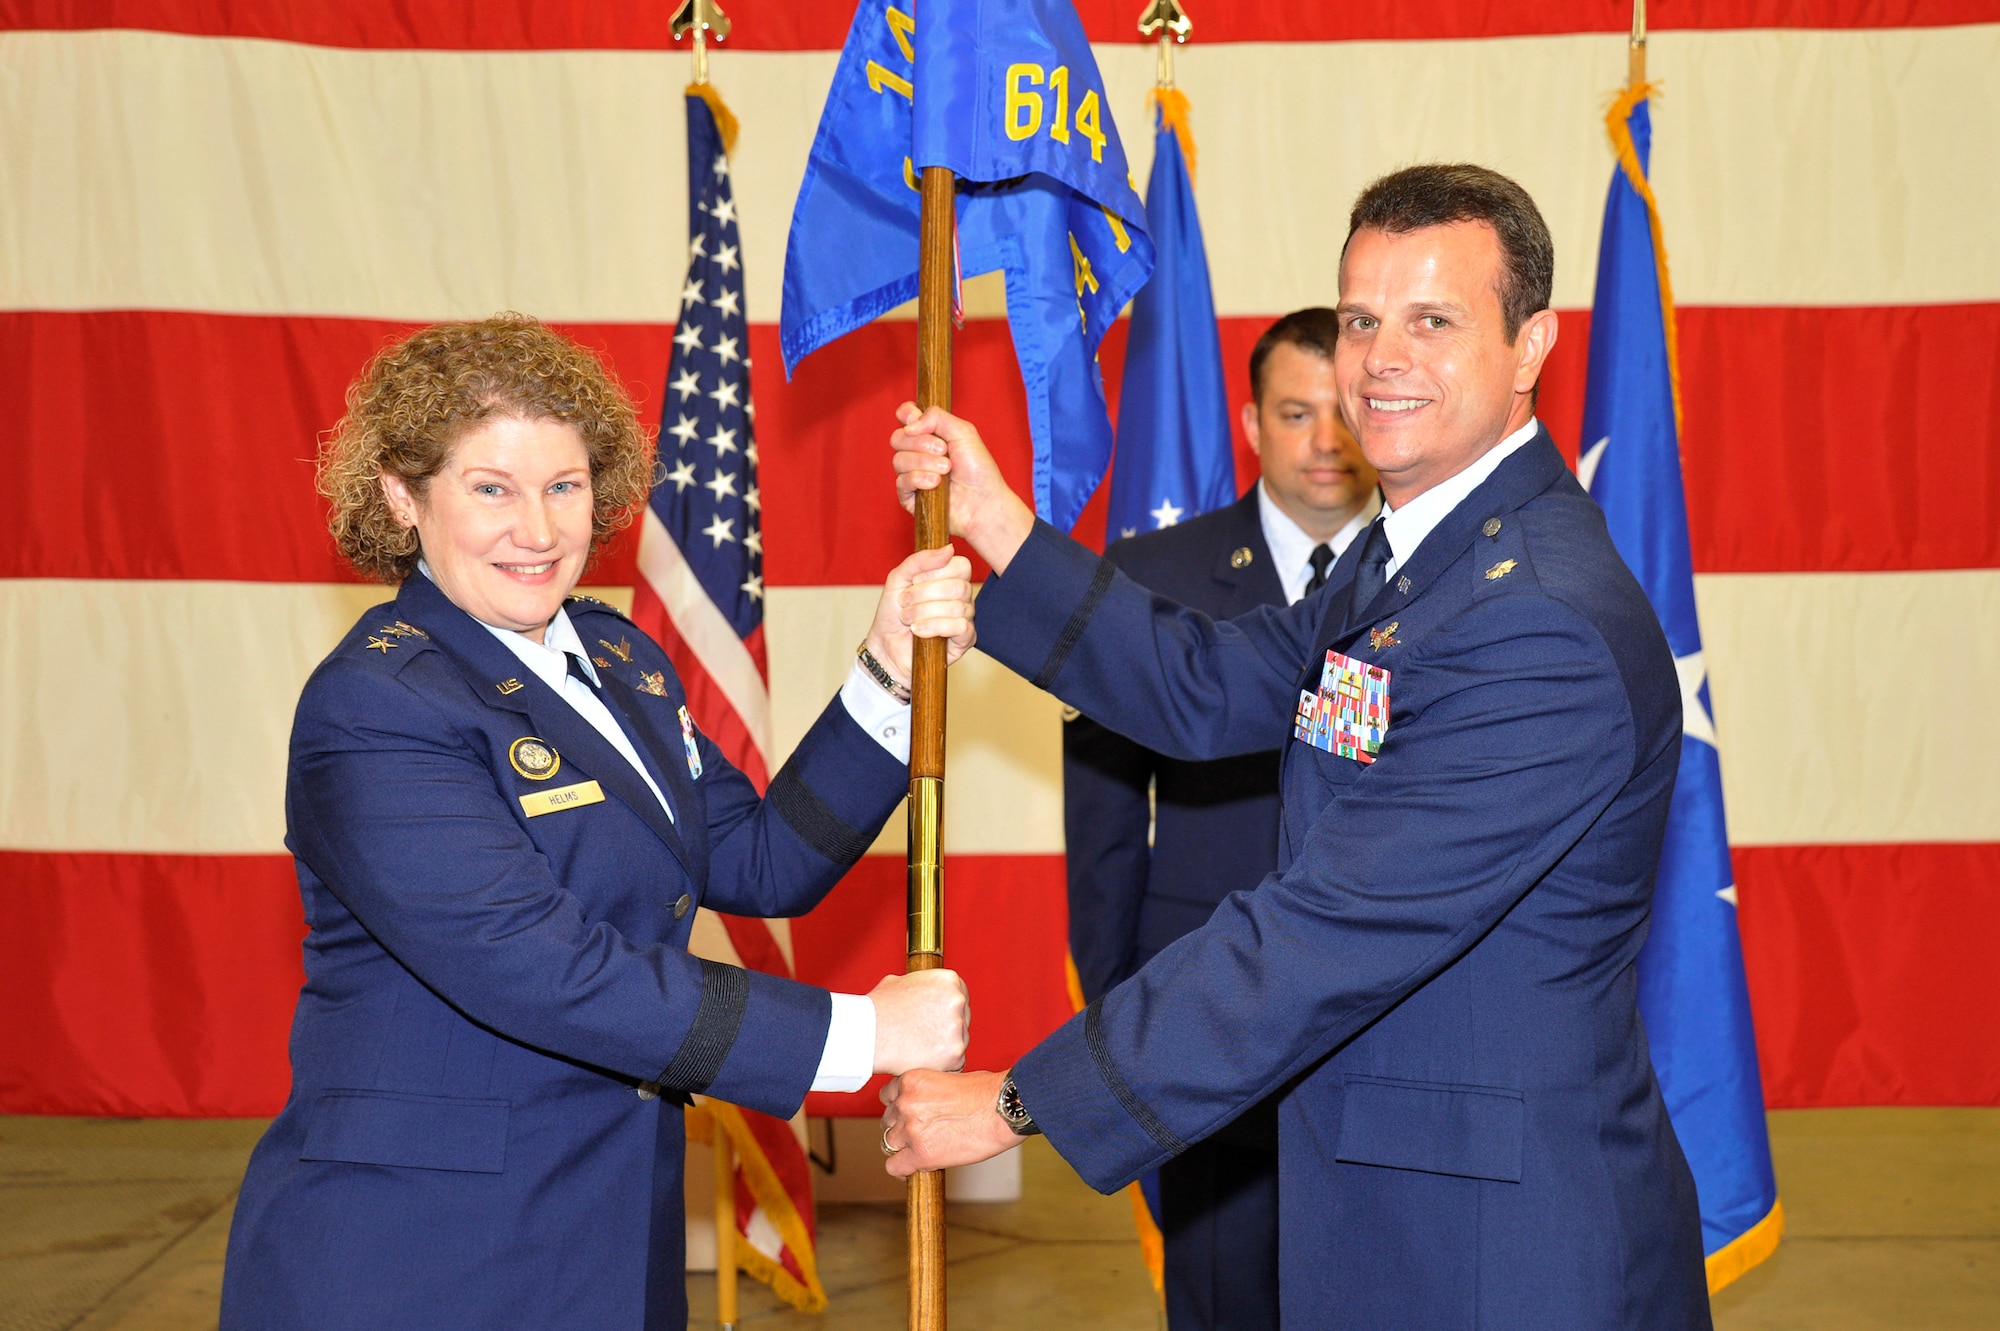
(886, 1148)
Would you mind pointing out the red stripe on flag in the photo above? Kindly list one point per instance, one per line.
(1871, 972)
(1798, 457)
(1006, 931)
(147, 985)
(788, 25)
(707, 703)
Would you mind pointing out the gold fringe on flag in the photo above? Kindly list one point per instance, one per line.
(1628, 162)
(769, 1190)
(725, 119)
(1173, 104)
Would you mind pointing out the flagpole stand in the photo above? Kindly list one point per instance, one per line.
(725, 1227)
(937, 269)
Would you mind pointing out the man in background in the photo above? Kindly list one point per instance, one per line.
(1214, 825)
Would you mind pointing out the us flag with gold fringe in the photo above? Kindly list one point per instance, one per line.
(700, 593)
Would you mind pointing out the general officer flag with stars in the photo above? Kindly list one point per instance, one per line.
(1007, 95)
(1692, 994)
(1174, 458)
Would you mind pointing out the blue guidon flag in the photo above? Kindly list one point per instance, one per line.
(1692, 994)
(1007, 94)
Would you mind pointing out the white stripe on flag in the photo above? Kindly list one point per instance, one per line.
(710, 636)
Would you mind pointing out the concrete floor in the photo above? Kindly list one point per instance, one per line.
(1894, 1222)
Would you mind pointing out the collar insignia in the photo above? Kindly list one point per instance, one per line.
(507, 686)
(653, 682)
(1500, 570)
(1385, 636)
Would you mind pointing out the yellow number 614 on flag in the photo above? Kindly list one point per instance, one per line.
(1024, 107)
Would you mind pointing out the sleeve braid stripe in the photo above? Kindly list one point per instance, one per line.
(725, 993)
(818, 826)
(1100, 583)
(1141, 1112)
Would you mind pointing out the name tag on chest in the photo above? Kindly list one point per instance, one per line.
(563, 797)
(1349, 714)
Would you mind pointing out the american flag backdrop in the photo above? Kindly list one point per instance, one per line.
(212, 214)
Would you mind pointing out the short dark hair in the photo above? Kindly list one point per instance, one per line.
(1441, 193)
(1316, 329)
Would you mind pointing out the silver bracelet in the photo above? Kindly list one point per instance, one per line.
(880, 674)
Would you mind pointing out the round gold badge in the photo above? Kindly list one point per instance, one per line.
(1242, 557)
(533, 758)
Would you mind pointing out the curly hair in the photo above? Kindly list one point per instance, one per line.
(414, 400)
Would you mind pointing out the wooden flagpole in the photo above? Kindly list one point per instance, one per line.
(936, 277)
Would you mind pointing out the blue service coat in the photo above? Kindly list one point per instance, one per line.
(1213, 830)
(465, 1144)
(1443, 963)
(1213, 824)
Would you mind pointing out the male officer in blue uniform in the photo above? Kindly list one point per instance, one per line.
(1155, 842)
(1481, 724)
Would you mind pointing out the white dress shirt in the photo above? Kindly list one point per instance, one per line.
(1291, 547)
(847, 1059)
(1407, 526)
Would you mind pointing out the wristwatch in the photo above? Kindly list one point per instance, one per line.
(1010, 1108)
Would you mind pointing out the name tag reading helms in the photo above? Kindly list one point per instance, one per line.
(1350, 713)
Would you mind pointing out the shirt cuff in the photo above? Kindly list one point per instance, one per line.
(877, 712)
(848, 1060)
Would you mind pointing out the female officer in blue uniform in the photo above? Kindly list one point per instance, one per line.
(500, 842)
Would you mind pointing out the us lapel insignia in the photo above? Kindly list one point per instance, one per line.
(533, 758)
(693, 749)
(1403, 586)
(623, 651)
(507, 686)
(1500, 570)
(1385, 636)
(382, 645)
(653, 682)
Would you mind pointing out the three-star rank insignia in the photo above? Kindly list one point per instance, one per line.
(653, 682)
(1385, 636)
(623, 651)
(1500, 570)
(534, 758)
(382, 645)
(507, 686)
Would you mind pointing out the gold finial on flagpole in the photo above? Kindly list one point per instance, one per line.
(1166, 20)
(705, 19)
(1636, 70)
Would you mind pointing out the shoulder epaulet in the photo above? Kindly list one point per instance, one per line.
(592, 603)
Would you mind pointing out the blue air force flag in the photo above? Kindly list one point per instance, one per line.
(1007, 94)
(1174, 458)
(1692, 995)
